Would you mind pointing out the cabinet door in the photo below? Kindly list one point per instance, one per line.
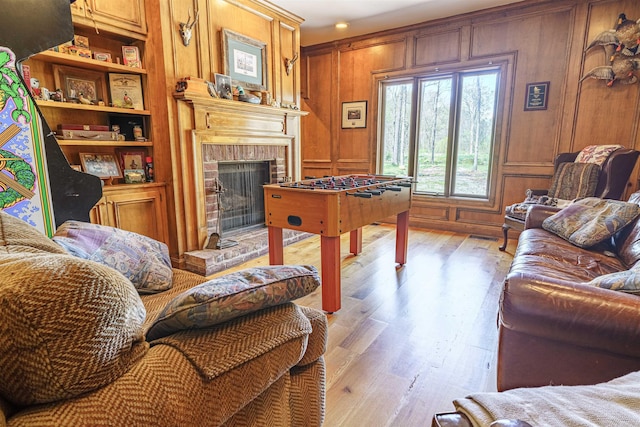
(99, 213)
(142, 211)
(78, 9)
(126, 14)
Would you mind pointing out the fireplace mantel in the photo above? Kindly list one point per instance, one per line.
(206, 121)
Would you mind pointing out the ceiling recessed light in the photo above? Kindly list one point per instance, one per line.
(341, 25)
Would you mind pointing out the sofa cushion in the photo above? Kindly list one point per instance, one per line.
(625, 281)
(142, 260)
(574, 180)
(234, 295)
(16, 236)
(67, 326)
(590, 221)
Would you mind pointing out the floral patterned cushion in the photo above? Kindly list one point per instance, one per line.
(234, 295)
(590, 221)
(142, 260)
(597, 154)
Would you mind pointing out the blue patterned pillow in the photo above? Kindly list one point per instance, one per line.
(142, 260)
(234, 295)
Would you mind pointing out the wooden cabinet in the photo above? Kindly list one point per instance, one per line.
(138, 208)
(141, 208)
(112, 15)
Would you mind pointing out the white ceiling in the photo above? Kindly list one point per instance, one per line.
(367, 16)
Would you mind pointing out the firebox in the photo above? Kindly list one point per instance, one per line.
(241, 195)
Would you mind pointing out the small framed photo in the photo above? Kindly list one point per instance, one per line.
(126, 91)
(102, 165)
(537, 96)
(354, 114)
(134, 176)
(131, 56)
(79, 85)
(223, 86)
(102, 56)
(131, 159)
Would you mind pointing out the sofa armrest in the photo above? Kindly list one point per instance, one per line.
(537, 214)
(574, 313)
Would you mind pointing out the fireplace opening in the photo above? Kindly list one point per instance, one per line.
(242, 199)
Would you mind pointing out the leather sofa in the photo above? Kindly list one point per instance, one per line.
(262, 368)
(554, 328)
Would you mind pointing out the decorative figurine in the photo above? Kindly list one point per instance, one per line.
(57, 95)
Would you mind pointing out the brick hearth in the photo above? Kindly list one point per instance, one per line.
(250, 245)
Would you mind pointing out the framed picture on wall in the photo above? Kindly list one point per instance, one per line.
(536, 96)
(354, 114)
(244, 60)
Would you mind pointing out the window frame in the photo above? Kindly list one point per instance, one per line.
(501, 66)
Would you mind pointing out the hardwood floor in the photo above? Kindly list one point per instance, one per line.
(408, 340)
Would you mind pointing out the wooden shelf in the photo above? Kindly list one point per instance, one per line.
(93, 143)
(105, 109)
(90, 64)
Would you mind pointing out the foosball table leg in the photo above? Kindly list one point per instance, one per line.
(402, 237)
(355, 241)
(330, 253)
(276, 251)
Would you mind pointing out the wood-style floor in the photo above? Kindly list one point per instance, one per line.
(408, 340)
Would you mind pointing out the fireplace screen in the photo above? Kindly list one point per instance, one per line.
(242, 198)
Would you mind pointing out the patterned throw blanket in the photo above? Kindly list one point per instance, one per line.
(614, 403)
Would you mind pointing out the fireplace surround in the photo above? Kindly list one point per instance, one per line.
(214, 131)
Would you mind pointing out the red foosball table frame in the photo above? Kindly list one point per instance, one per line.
(330, 207)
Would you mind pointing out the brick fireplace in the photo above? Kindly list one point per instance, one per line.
(214, 132)
(213, 155)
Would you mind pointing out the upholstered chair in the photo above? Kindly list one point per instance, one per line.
(577, 175)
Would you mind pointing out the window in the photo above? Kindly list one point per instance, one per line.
(441, 130)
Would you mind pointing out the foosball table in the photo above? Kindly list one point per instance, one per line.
(332, 206)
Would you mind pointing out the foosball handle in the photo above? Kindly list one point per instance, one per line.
(393, 188)
(404, 184)
(360, 194)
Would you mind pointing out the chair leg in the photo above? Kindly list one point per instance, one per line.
(505, 231)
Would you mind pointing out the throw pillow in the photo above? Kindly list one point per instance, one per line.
(625, 281)
(574, 181)
(597, 154)
(140, 259)
(590, 221)
(234, 295)
(67, 326)
(16, 236)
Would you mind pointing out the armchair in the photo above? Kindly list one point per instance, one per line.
(611, 180)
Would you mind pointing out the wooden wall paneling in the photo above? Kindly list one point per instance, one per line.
(438, 48)
(516, 185)
(245, 19)
(605, 115)
(288, 91)
(534, 38)
(356, 67)
(316, 127)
